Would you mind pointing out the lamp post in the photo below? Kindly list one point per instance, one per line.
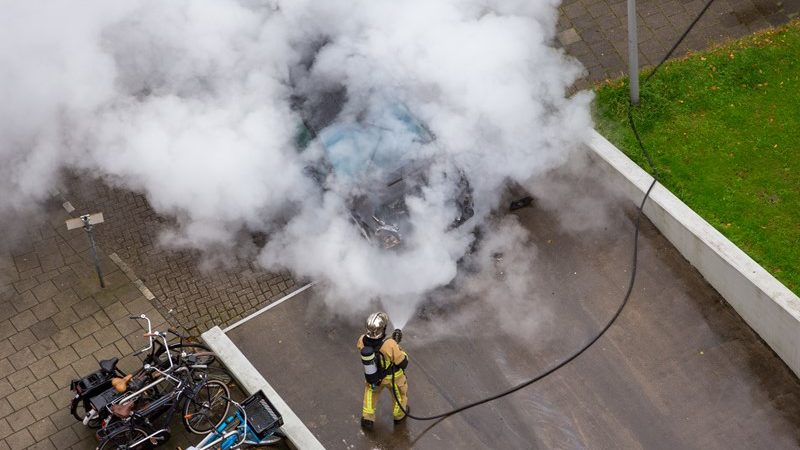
(88, 221)
(633, 53)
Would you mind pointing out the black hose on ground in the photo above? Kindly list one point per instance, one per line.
(639, 214)
(562, 363)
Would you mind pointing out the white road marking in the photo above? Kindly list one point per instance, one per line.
(126, 269)
(270, 306)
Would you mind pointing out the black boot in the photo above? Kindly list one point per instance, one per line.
(402, 419)
(367, 424)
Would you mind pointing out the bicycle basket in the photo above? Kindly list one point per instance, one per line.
(262, 417)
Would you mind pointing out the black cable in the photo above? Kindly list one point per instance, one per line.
(574, 355)
(633, 263)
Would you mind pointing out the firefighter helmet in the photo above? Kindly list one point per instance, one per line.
(376, 325)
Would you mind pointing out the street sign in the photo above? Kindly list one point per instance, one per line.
(87, 222)
(86, 219)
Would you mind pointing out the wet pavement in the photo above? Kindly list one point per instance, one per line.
(679, 369)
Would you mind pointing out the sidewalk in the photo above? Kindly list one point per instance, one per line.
(595, 31)
(55, 324)
(201, 297)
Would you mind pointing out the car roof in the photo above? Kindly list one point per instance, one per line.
(383, 142)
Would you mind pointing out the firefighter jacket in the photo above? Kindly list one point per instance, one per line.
(392, 354)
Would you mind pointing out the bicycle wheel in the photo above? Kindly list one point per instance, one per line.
(122, 438)
(267, 442)
(207, 407)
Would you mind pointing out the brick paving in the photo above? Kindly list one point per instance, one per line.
(219, 295)
(595, 31)
(55, 324)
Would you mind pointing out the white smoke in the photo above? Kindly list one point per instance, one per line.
(190, 102)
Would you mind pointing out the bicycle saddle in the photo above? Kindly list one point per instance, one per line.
(121, 384)
(109, 365)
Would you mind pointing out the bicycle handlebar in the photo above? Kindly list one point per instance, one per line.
(149, 333)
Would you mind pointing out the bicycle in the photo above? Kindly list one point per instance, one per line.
(255, 423)
(204, 403)
(94, 391)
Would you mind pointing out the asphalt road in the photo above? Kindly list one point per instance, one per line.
(679, 369)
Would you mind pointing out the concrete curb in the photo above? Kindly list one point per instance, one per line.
(252, 381)
(771, 309)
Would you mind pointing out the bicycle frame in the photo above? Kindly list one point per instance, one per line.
(134, 395)
(172, 400)
(83, 397)
(164, 374)
(229, 439)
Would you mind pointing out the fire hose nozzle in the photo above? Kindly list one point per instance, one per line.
(397, 335)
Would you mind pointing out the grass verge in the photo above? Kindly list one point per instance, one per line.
(723, 128)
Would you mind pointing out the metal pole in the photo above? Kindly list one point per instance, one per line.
(89, 229)
(633, 53)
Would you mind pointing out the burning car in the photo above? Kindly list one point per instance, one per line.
(378, 158)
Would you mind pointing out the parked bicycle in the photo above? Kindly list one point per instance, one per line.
(256, 422)
(141, 419)
(94, 392)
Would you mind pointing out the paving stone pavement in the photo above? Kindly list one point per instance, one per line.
(595, 31)
(200, 297)
(55, 324)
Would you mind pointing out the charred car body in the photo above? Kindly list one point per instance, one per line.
(378, 157)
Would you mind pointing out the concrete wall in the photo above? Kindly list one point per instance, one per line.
(770, 308)
(298, 435)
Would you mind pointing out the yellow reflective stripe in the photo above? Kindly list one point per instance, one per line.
(367, 407)
(368, 358)
(397, 412)
(397, 373)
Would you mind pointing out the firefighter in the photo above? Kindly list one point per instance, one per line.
(381, 355)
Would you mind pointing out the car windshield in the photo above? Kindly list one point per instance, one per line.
(380, 145)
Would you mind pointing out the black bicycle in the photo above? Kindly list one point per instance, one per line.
(139, 421)
(96, 391)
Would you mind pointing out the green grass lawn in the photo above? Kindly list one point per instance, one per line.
(723, 128)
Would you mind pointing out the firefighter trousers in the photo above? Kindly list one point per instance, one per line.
(371, 397)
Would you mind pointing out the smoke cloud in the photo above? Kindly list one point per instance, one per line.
(194, 103)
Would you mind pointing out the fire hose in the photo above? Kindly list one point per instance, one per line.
(631, 282)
